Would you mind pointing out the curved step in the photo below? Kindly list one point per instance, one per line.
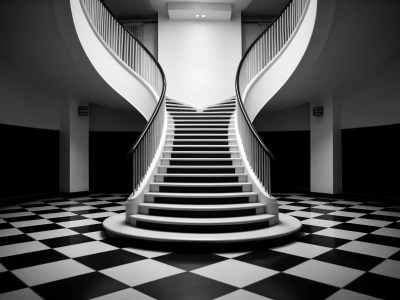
(196, 177)
(200, 161)
(200, 169)
(229, 224)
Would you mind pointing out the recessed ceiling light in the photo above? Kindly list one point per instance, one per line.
(197, 16)
(203, 16)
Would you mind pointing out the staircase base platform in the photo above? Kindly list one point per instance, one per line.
(117, 227)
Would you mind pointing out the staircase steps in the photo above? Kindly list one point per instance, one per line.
(200, 185)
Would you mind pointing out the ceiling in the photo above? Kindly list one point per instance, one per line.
(146, 10)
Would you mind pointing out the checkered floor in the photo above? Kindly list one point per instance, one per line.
(56, 249)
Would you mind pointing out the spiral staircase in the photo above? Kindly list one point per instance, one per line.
(200, 175)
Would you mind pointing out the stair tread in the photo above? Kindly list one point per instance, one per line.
(201, 152)
(201, 195)
(201, 174)
(202, 167)
(203, 207)
(203, 221)
(201, 184)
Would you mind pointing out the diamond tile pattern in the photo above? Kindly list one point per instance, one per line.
(57, 249)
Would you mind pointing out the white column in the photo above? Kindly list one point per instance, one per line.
(74, 147)
(326, 152)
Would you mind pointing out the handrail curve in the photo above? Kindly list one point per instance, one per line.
(122, 43)
(258, 56)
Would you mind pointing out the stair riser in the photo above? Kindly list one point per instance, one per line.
(195, 137)
(202, 229)
(172, 162)
(195, 170)
(199, 179)
(201, 122)
(201, 155)
(200, 131)
(199, 214)
(222, 149)
(188, 200)
(193, 189)
(192, 143)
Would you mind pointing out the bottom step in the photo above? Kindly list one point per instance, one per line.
(116, 226)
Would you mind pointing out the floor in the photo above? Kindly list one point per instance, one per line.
(56, 249)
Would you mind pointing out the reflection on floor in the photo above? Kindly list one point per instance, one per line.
(56, 249)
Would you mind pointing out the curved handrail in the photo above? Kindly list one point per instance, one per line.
(261, 53)
(122, 43)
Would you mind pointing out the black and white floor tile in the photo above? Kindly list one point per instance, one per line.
(56, 249)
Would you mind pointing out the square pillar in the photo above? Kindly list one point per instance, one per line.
(326, 148)
(74, 147)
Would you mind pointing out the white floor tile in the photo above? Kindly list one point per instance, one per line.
(49, 234)
(369, 222)
(21, 224)
(347, 202)
(389, 268)
(346, 214)
(2, 268)
(369, 249)
(302, 249)
(22, 294)
(305, 214)
(21, 248)
(146, 253)
(99, 214)
(16, 214)
(128, 294)
(314, 202)
(292, 207)
(340, 233)
(78, 208)
(41, 208)
(141, 272)
(9, 232)
(329, 207)
(325, 272)
(284, 202)
(300, 198)
(99, 202)
(392, 232)
(57, 215)
(114, 208)
(68, 202)
(367, 207)
(387, 213)
(320, 223)
(231, 254)
(84, 249)
(242, 295)
(52, 271)
(344, 294)
(96, 235)
(231, 272)
(4, 209)
(2, 221)
(77, 223)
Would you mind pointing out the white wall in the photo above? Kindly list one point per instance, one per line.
(150, 38)
(199, 58)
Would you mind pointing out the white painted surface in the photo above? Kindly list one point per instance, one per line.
(74, 147)
(268, 82)
(199, 58)
(150, 38)
(325, 148)
(118, 75)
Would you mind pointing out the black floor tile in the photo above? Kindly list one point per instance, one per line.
(5, 226)
(9, 282)
(396, 256)
(109, 259)
(37, 228)
(380, 239)
(79, 287)
(284, 286)
(24, 218)
(67, 219)
(66, 240)
(87, 211)
(319, 210)
(189, 261)
(334, 218)
(311, 228)
(380, 217)
(31, 259)
(185, 286)
(88, 228)
(272, 259)
(324, 241)
(350, 259)
(355, 227)
(376, 285)
(15, 239)
(394, 225)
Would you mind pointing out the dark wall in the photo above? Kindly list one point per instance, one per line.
(109, 167)
(28, 161)
(291, 169)
(371, 160)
